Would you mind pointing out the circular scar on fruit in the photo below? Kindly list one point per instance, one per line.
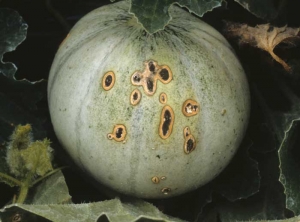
(118, 134)
(150, 75)
(108, 80)
(190, 107)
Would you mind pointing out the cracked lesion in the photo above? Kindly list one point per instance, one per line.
(190, 107)
(118, 134)
(150, 75)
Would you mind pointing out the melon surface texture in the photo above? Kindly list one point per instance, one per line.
(148, 115)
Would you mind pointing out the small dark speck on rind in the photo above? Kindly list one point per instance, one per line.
(158, 156)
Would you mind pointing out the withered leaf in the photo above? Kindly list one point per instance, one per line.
(264, 36)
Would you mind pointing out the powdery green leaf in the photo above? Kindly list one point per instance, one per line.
(154, 14)
(111, 210)
(52, 190)
(265, 9)
(290, 166)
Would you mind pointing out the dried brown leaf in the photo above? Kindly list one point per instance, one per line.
(265, 37)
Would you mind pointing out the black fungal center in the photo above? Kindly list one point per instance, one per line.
(108, 80)
(119, 133)
(136, 78)
(150, 84)
(190, 145)
(167, 121)
(164, 74)
(151, 67)
(135, 96)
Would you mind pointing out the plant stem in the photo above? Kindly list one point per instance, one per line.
(24, 188)
(9, 179)
(23, 193)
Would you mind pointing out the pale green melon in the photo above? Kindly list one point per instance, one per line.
(151, 116)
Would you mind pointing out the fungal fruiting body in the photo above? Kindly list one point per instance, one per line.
(151, 116)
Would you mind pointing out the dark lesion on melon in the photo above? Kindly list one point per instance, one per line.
(135, 97)
(190, 145)
(151, 67)
(190, 108)
(150, 75)
(108, 80)
(166, 122)
(119, 133)
(189, 140)
(164, 74)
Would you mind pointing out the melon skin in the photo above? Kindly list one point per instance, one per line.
(157, 153)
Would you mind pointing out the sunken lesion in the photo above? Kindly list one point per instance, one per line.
(163, 98)
(167, 118)
(135, 97)
(166, 190)
(190, 107)
(119, 133)
(155, 180)
(150, 75)
(189, 141)
(108, 80)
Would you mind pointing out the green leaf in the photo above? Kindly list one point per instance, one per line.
(290, 166)
(111, 210)
(267, 204)
(17, 98)
(239, 183)
(13, 31)
(52, 190)
(154, 14)
(265, 9)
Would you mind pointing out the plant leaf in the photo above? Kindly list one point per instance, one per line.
(263, 9)
(265, 37)
(290, 166)
(52, 190)
(14, 30)
(17, 98)
(111, 210)
(154, 14)
(239, 183)
(268, 204)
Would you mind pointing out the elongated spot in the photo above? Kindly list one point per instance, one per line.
(135, 97)
(155, 180)
(108, 80)
(189, 141)
(166, 122)
(163, 98)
